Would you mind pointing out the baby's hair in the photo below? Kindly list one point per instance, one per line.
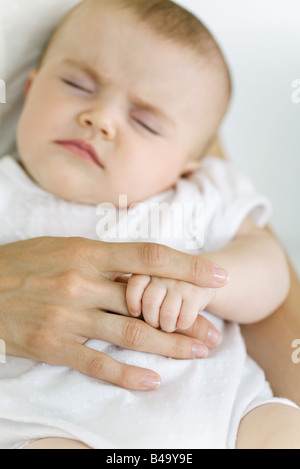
(170, 21)
(173, 22)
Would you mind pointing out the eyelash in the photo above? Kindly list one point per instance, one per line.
(74, 85)
(146, 127)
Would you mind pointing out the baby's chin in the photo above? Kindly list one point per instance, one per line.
(67, 181)
(74, 180)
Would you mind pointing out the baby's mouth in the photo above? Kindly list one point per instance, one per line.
(82, 149)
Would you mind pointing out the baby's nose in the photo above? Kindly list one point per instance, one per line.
(99, 120)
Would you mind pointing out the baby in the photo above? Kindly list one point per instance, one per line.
(138, 116)
(127, 99)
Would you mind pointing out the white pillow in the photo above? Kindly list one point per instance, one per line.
(25, 27)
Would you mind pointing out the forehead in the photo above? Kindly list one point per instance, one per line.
(118, 45)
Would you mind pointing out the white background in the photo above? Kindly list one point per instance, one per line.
(261, 40)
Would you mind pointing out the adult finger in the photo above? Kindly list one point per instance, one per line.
(204, 331)
(115, 301)
(158, 260)
(110, 296)
(134, 334)
(102, 367)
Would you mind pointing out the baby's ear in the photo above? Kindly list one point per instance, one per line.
(191, 166)
(29, 82)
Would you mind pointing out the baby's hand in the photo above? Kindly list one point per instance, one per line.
(166, 303)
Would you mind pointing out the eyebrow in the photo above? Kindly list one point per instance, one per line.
(137, 101)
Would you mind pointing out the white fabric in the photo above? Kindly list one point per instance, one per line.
(200, 402)
(27, 211)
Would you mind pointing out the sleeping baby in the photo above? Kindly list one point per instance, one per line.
(126, 100)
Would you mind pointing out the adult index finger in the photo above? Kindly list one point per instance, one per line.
(161, 261)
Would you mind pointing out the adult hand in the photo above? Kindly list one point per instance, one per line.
(55, 293)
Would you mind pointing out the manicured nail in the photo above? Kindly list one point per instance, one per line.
(221, 275)
(200, 351)
(214, 338)
(151, 382)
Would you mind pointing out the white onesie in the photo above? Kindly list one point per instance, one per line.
(200, 402)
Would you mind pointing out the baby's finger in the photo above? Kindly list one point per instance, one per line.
(170, 310)
(153, 297)
(188, 315)
(135, 289)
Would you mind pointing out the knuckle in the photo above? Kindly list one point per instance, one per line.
(41, 340)
(124, 378)
(198, 268)
(154, 255)
(70, 284)
(95, 367)
(167, 314)
(179, 350)
(35, 339)
(54, 316)
(134, 334)
(139, 280)
(150, 302)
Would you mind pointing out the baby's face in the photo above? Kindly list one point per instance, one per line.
(114, 110)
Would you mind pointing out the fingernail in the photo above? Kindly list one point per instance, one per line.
(221, 275)
(199, 351)
(214, 338)
(136, 314)
(151, 382)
